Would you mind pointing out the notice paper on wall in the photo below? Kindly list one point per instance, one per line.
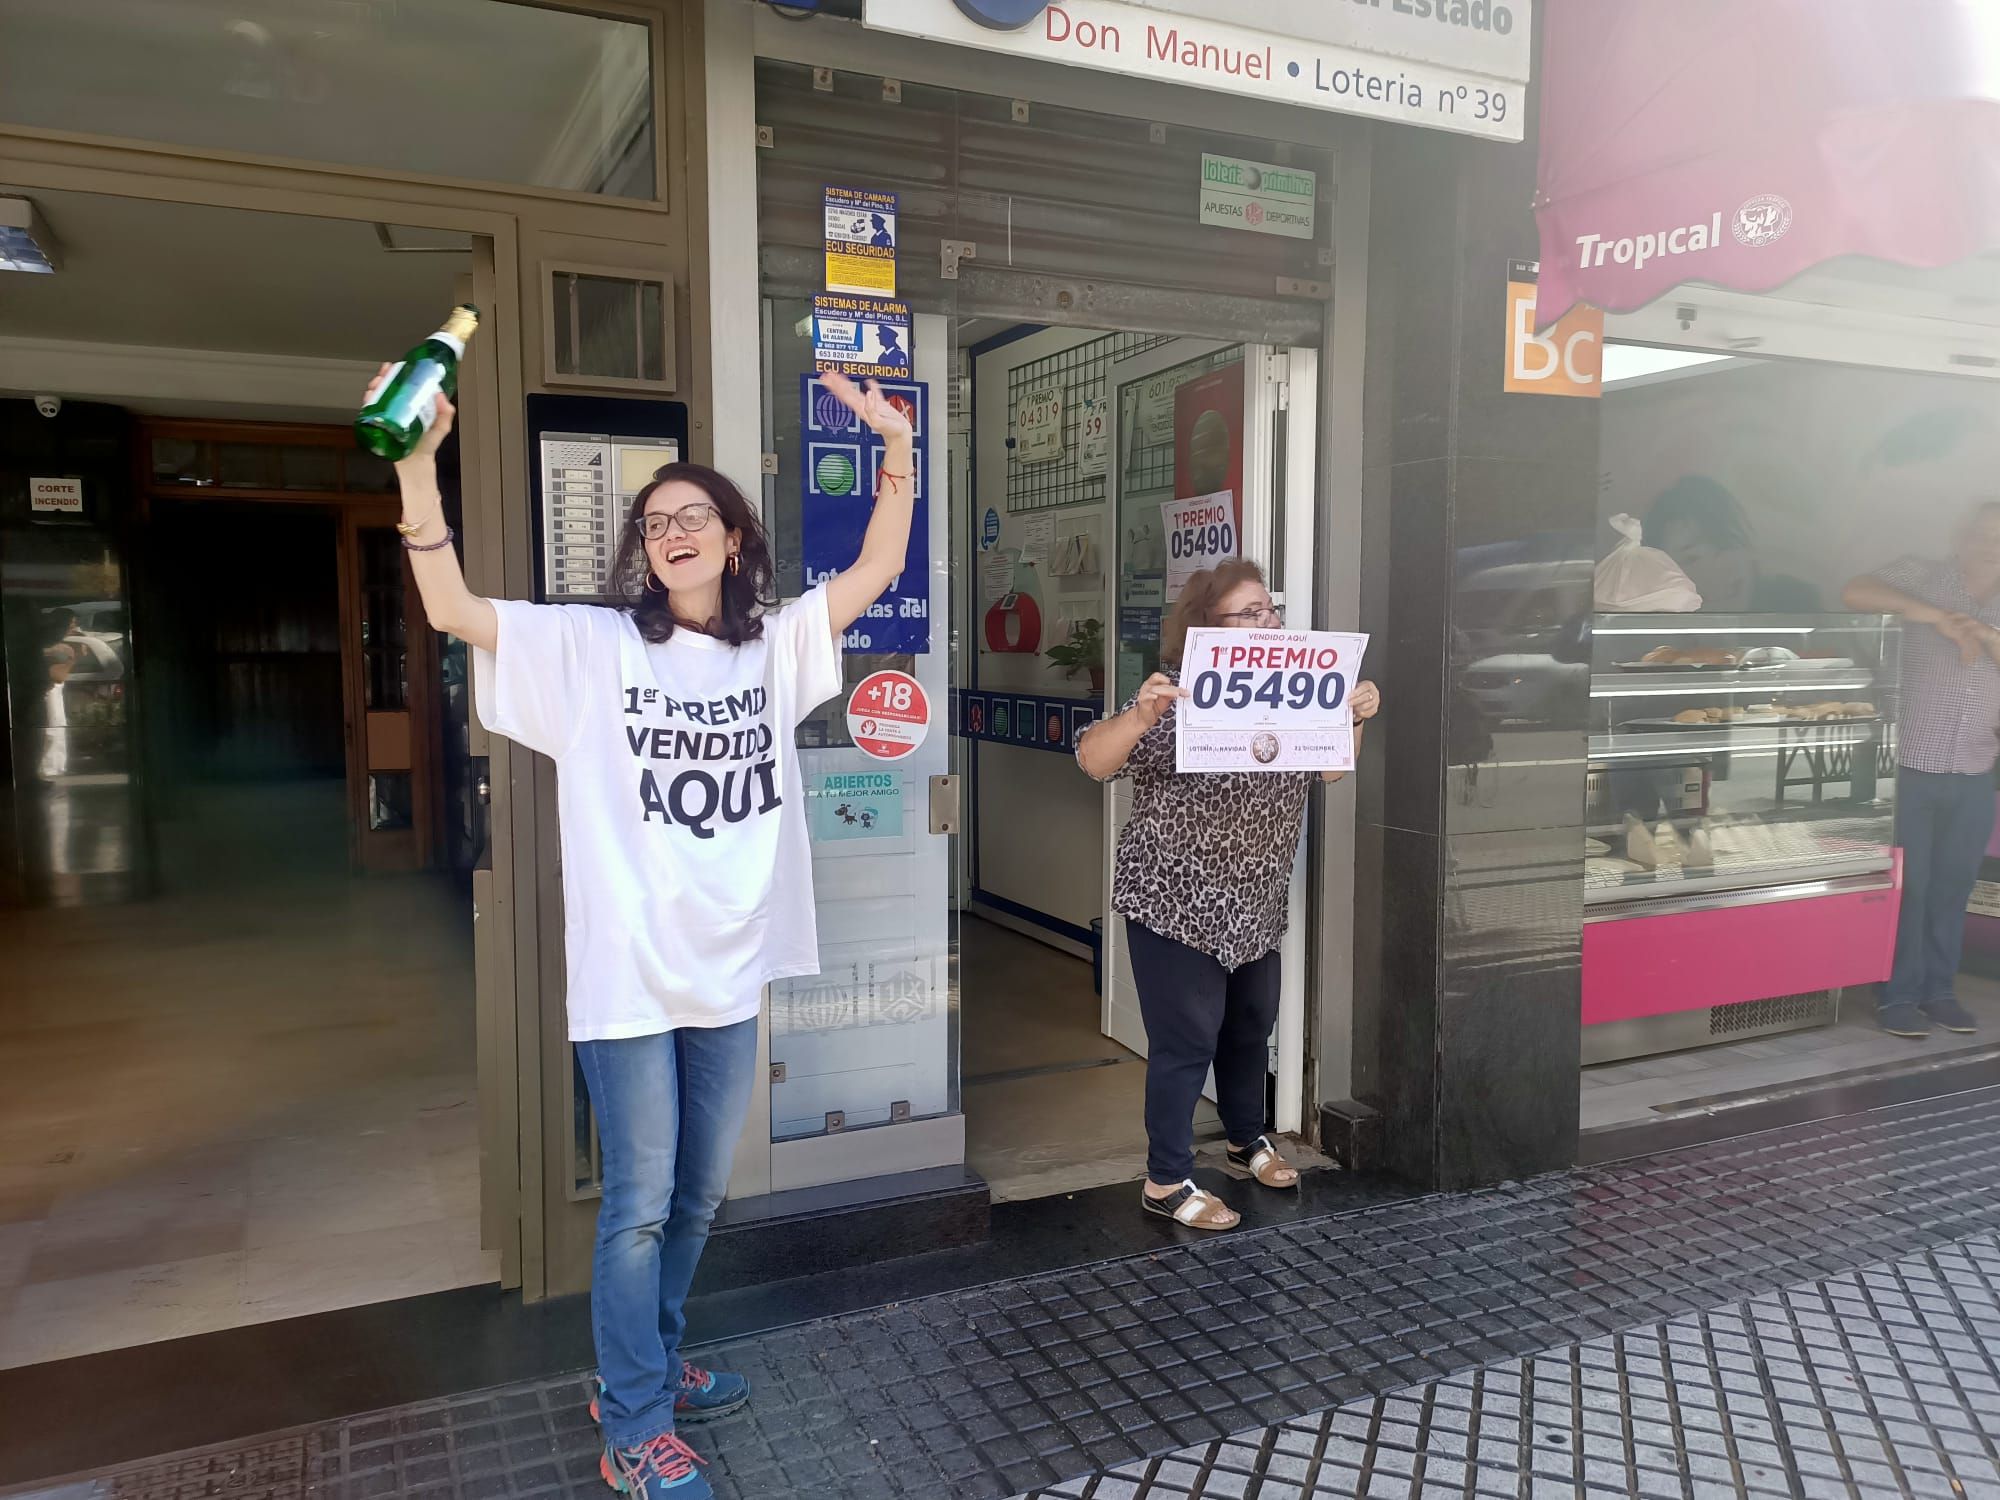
(860, 242)
(1038, 540)
(1201, 532)
(996, 574)
(1267, 700)
(860, 336)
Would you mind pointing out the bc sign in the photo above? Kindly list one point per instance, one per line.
(1003, 15)
(1566, 360)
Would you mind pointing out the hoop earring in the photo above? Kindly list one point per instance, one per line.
(651, 580)
(735, 564)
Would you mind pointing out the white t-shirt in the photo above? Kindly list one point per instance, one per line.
(687, 875)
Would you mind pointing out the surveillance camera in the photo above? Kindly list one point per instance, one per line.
(48, 406)
(1686, 315)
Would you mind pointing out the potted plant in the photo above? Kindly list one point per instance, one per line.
(1083, 650)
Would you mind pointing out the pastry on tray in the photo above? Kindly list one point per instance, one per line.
(1699, 656)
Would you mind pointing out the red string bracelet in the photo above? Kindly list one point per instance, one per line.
(882, 474)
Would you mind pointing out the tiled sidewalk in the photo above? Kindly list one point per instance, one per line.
(1884, 1382)
(1030, 1384)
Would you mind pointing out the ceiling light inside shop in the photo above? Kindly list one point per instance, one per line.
(25, 241)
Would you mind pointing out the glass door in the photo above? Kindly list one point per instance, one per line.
(1214, 458)
(388, 663)
(863, 1056)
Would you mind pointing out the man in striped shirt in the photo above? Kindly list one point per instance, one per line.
(1947, 741)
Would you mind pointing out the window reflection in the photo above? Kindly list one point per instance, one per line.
(486, 90)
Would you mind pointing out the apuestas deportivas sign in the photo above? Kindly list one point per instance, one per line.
(1459, 65)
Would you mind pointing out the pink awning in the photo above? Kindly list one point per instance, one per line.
(1739, 142)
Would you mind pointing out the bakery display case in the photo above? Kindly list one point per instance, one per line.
(1739, 862)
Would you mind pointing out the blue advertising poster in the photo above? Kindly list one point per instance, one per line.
(842, 459)
(861, 336)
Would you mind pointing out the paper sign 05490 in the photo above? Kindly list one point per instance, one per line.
(1267, 700)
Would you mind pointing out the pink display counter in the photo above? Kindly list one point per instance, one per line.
(1769, 942)
(1739, 869)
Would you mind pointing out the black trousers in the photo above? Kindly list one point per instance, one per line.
(1198, 1013)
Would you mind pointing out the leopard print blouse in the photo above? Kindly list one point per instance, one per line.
(1206, 859)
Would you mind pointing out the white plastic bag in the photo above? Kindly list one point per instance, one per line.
(1637, 579)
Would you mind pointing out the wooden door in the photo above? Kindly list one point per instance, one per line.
(389, 667)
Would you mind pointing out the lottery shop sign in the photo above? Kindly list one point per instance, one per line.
(1267, 700)
(888, 715)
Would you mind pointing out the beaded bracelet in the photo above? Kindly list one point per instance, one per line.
(443, 541)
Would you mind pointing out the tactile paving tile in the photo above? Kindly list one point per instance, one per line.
(1024, 1384)
(1883, 1382)
(525, 1440)
(267, 1468)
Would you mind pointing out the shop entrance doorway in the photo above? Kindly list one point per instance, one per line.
(1071, 539)
(239, 1033)
(1085, 354)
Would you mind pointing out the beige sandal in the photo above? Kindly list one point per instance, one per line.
(1191, 1206)
(1260, 1160)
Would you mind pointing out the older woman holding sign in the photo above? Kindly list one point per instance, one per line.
(1204, 867)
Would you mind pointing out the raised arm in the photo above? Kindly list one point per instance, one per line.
(1972, 637)
(1871, 595)
(886, 544)
(448, 604)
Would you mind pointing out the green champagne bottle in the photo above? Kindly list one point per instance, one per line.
(395, 421)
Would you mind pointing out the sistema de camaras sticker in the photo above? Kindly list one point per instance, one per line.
(860, 242)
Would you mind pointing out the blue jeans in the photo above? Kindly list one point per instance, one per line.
(1943, 823)
(1199, 1014)
(669, 1109)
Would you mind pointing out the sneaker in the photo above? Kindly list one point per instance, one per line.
(708, 1393)
(1904, 1020)
(663, 1468)
(1952, 1016)
(704, 1394)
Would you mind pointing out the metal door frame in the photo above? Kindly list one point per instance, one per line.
(506, 997)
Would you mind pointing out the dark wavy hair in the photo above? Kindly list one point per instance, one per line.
(746, 593)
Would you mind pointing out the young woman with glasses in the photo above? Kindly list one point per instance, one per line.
(687, 877)
(1203, 871)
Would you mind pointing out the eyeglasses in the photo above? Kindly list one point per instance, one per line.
(689, 518)
(1256, 614)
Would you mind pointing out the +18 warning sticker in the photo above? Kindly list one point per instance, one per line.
(888, 714)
